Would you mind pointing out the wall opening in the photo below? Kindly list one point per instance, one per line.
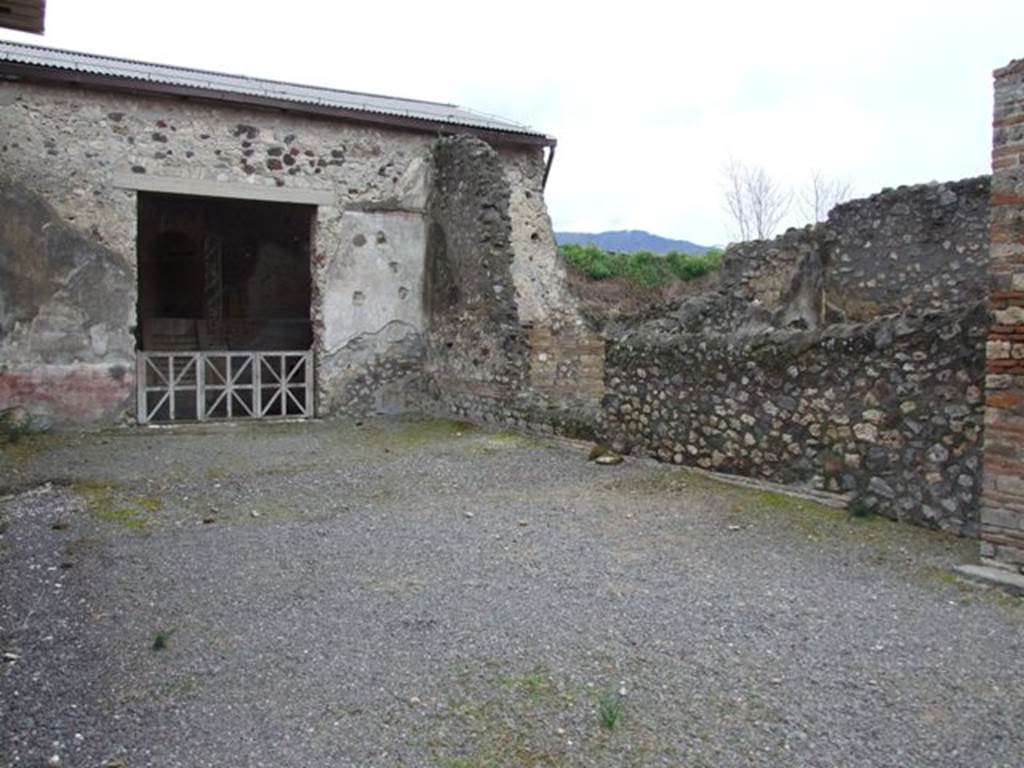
(222, 274)
(224, 322)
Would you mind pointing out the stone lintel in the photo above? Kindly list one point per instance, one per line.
(144, 182)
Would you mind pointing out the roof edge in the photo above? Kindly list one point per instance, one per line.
(39, 73)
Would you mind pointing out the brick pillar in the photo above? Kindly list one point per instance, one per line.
(1002, 513)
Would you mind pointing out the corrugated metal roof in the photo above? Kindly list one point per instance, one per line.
(259, 90)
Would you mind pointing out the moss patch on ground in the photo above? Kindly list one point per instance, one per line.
(490, 443)
(413, 432)
(31, 444)
(910, 548)
(532, 719)
(109, 502)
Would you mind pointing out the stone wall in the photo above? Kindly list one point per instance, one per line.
(483, 357)
(566, 363)
(542, 293)
(914, 248)
(889, 410)
(477, 350)
(761, 271)
(823, 360)
(81, 154)
(1002, 519)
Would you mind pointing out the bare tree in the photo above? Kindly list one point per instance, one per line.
(736, 198)
(822, 194)
(755, 201)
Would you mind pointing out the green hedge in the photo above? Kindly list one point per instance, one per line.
(641, 267)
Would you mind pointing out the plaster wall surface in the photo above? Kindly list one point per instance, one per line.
(376, 278)
(54, 279)
(75, 152)
(373, 314)
(537, 271)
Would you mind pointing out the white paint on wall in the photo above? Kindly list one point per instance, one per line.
(375, 278)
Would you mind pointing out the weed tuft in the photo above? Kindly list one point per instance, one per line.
(534, 684)
(859, 508)
(609, 711)
(161, 639)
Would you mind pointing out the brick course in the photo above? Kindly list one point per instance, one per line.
(1002, 501)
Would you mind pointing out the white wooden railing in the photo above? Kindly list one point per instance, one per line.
(200, 386)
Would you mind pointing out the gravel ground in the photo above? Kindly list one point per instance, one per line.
(422, 593)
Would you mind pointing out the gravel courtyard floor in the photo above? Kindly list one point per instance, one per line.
(426, 593)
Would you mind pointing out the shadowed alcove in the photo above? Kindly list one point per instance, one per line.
(223, 274)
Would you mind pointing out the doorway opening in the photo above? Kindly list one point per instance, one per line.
(224, 328)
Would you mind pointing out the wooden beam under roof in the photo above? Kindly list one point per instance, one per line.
(23, 15)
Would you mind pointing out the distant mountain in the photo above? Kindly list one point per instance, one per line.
(628, 241)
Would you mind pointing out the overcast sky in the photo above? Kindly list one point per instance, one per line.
(648, 100)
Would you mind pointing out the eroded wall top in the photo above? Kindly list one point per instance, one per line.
(922, 247)
(915, 248)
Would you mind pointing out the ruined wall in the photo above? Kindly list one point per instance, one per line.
(889, 410)
(772, 378)
(914, 248)
(1002, 521)
(478, 353)
(538, 273)
(494, 308)
(73, 148)
(762, 271)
